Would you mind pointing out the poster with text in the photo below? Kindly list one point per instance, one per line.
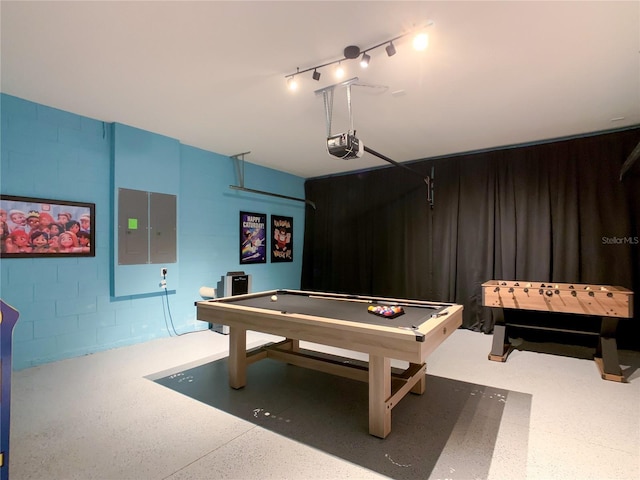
(281, 239)
(253, 238)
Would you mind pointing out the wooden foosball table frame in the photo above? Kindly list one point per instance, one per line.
(610, 303)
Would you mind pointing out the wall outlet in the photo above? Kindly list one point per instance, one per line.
(163, 271)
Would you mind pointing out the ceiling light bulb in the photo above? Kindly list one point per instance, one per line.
(292, 83)
(421, 41)
(364, 63)
(339, 71)
(391, 49)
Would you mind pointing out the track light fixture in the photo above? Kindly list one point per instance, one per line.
(421, 41)
(353, 52)
(364, 63)
(391, 50)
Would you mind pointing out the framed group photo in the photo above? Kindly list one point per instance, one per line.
(40, 227)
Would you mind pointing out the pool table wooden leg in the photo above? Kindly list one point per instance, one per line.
(237, 357)
(379, 393)
(421, 385)
(295, 344)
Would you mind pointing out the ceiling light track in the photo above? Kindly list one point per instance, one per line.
(352, 52)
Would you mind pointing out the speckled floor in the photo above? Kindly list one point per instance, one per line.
(103, 416)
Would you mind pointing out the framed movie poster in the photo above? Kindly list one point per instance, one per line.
(41, 227)
(253, 238)
(281, 239)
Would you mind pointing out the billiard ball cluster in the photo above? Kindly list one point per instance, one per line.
(385, 310)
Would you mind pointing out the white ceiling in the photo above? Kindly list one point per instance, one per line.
(212, 74)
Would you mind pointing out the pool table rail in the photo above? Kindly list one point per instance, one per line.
(384, 340)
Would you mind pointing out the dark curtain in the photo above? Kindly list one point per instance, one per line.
(553, 212)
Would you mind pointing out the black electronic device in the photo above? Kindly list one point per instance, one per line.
(231, 284)
(345, 146)
(234, 283)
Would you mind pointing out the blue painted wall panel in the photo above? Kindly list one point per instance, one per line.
(55, 326)
(55, 290)
(93, 321)
(145, 160)
(66, 305)
(76, 341)
(150, 163)
(24, 333)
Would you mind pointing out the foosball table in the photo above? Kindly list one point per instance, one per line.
(607, 302)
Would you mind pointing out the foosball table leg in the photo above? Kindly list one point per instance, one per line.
(606, 357)
(501, 346)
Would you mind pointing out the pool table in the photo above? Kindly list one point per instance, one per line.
(342, 321)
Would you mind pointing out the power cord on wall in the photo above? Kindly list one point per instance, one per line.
(168, 309)
(163, 284)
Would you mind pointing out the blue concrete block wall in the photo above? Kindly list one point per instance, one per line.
(209, 213)
(66, 307)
